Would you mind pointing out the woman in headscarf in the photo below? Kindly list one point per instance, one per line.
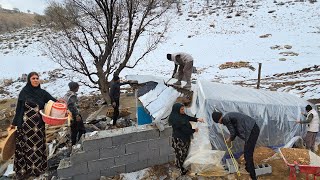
(30, 154)
(182, 133)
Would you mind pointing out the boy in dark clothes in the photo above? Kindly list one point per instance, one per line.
(115, 97)
(246, 129)
(77, 126)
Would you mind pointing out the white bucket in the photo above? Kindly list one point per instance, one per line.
(58, 110)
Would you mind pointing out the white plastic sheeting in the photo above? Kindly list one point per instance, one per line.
(202, 159)
(275, 112)
(158, 101)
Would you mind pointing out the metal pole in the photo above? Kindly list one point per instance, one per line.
(259, 75)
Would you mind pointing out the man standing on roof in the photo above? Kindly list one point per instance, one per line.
(185, 63)
(246, 129)
(312, 121)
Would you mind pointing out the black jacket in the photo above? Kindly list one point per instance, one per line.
(238, 124)
(115, 91)
(183, 131)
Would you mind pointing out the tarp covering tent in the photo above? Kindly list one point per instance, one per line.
(275, 112)
(159, 101)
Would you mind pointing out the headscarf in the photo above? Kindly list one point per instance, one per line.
(32, 94)
(175, 115)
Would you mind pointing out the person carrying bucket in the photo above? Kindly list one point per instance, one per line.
(77, 126)
(30, 160)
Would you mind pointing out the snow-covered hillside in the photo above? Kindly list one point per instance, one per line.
(282, 35)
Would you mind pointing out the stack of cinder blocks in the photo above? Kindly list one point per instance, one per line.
(260, 169)
(111, 152)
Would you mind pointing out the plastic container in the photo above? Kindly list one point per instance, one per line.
(58, 110)
(53, 120)
(143, 116)
(48, 107)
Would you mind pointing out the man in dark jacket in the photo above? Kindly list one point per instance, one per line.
(115, 97)
(246, 129)
(77, 126)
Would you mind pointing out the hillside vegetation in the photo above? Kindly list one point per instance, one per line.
(11, 20)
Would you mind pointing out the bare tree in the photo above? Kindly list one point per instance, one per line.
(98, 37)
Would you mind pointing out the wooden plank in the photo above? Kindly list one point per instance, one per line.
(3, 134)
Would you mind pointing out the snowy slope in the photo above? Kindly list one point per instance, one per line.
(231, 39)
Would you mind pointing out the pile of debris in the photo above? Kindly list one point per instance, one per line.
(58, 147)
(236, 65)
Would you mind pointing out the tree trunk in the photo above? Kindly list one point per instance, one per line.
(104, 89)
(103, 85)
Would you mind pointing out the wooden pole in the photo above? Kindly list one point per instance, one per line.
(259, 75)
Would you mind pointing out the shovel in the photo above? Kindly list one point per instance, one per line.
(166, 82)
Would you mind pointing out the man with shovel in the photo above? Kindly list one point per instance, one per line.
(185, 63)
(246, 129)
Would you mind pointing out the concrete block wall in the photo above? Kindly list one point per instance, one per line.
(111, 152)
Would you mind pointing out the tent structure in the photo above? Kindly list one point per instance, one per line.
(275, 112)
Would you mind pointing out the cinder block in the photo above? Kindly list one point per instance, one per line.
(126, 159)
(149, 154)
(166, 149)
(84, 156)
(112, 152)
(157, 143)
(263, 169)
(136, 166)
(158, 161)
(100, 164)
(65, 170)
(139, 146)
(167, 132)
(230, 165)
(90, 176)
(124, 139)
(94, 144)
(172, 157)
(113, 171)
(148, 134)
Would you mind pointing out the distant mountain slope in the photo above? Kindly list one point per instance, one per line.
(12, 20)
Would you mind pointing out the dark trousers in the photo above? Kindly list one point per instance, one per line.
(115, 112)
(249, 149)
(77, 129)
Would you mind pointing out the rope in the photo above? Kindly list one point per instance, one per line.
(234, 161)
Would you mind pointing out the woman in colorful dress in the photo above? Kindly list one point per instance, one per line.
(182, 133)
(30, 154)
